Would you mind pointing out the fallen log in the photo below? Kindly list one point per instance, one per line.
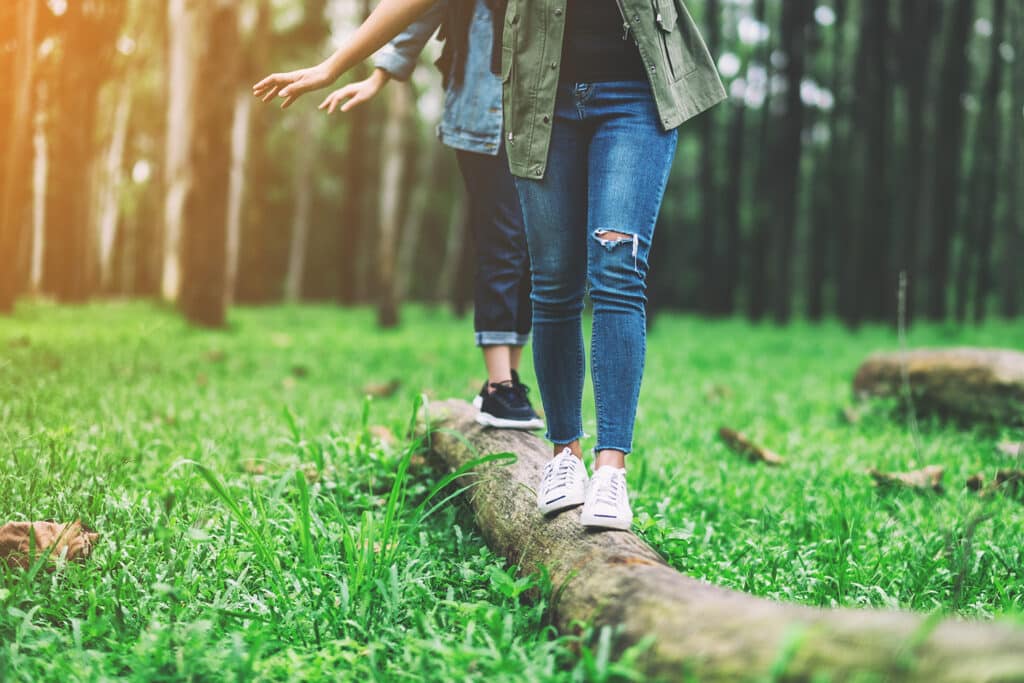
(700, 630)
(972, 383)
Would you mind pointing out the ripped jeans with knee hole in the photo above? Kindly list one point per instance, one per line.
(589, 225)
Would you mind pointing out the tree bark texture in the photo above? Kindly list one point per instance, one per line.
(204, 235)
(972, 383)
(700, 631)
(17, 155)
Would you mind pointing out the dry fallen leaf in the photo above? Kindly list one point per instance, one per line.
(382, 390)
(1012, 449)
(976, 482)
(70, 540)
(300, 371)
(744, 446)
(927, 478)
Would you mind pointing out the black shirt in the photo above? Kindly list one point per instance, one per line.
(596, 46)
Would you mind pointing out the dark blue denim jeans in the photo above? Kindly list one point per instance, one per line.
(501, 292)
(607, 168)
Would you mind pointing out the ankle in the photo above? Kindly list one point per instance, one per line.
(492, 384)
(610, 458)
(573, 447)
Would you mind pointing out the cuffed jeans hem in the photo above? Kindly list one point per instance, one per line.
(624, 451)
(565, 442)
(501, 339)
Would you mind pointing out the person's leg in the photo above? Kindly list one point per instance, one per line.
(630, 157)
(554, 211)
(502, 260)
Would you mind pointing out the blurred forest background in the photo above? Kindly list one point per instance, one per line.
(862, 139)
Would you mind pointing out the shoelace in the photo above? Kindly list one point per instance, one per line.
(564, 468)
(609, 490)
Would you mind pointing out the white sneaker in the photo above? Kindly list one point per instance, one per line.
(564, 483)
(607, 503)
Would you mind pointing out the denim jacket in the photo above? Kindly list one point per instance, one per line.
(472, 110)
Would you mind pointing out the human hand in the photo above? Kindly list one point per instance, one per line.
(354, 94)
(292, 84)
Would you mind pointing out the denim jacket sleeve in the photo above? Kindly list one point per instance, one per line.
(399, 56)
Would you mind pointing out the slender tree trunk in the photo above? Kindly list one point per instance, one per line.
(733, 215)
(987, 174)
(183, 51)
(796, 14)
(393, 154)
(758, 287)
(949, 135)
(17, 153)
(112, 177)
(204, 235)
(430, 168)
(872, 109)
(711, 291)
(453, 248)
(829, 223)
(919, 22)
(240, 126)
(1011, 275)
(304, 179)
(39, 179)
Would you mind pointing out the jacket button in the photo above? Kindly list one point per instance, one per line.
(554, 65)
(547, 119)
(510, 136)
(558, 11)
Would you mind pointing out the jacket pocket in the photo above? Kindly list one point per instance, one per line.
(680, 62)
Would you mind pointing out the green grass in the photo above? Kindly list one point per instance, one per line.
(255, 525)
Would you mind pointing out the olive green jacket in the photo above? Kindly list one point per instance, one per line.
(682, 73)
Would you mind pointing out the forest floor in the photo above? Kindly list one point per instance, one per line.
(254, 522)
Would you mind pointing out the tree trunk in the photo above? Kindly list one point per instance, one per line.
(453, 248)
(710, 301)
(700, 631)
(182, 57)
(949, 133)
(17, 155)
(795, 16)
(757, 284)
(979, 384)
(240, 125)
(429, 170)
(986, 176)
(872, 110)
(204, 234)
(303, 176)
(40, 161)
(1013, 250)
(112, 181)
(829, 229)
(392, 170)
(733, 214)
(919, 21)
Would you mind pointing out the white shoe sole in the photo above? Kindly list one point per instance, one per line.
(489, 420)
(478, 401)
(560, 503)
(599, 522)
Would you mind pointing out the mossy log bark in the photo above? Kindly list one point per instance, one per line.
(700, 630)
(977, 384)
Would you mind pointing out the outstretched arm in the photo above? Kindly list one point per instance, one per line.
(383, 24)
(397, 60)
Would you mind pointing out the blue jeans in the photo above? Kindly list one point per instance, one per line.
(607, 168)
(501, 291)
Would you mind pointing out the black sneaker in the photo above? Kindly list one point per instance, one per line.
(507, 407)
(525, 390)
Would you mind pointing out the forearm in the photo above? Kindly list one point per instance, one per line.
(398, 58)
(385, 22)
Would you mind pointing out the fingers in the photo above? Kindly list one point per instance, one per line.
(351, 92)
